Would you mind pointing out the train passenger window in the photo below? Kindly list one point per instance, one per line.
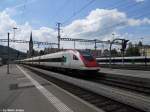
(75, 57)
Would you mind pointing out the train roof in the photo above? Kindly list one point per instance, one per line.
(56, 54)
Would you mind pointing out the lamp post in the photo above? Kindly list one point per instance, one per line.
(14, 28)
(8, 56)
(13, 39)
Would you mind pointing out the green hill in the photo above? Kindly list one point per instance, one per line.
(14, 54)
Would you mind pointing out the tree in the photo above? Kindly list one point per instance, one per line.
(114, 52)
(132, 50)
(140, 44)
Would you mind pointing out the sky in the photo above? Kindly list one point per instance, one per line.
(87, 19)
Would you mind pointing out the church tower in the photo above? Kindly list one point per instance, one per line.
(31, 45)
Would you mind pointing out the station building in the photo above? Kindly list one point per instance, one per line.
(145, 50)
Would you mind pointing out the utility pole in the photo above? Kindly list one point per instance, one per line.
(95, 46)
(111, 42)
(14, 28)
(8, 56)
(102, 48)
(74, 44)
(122, 52)
(124, 44)
(58, 29)
(144, 52)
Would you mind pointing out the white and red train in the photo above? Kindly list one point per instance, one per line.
(67, 60)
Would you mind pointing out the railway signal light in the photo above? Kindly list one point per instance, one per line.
(124, 44)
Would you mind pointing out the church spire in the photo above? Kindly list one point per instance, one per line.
(31, 46)
(31, 37)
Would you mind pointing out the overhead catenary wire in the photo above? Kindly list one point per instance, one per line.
(122, 22)
(122, 5)
(137, 17)
(57, 12)
(113, 25)
(78, 11)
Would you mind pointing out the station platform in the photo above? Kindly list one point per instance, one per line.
(129, 73)
(24, 91)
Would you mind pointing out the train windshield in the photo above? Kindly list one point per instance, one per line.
(87, 55)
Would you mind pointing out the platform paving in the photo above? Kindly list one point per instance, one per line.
(134, 99)
(129, 73)
(19, 93)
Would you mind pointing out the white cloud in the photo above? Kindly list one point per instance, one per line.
(45, 34)
(139, 1)
(18, 9)
(137, 22)
(12, 11)
(6, 22)
(95, 23)
(23, 32)
(100, 24)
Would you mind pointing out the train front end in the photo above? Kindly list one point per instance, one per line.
(90, 63)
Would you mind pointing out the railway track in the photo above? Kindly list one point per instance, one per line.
(130, 84)
(127, 67)
(99, 101)
(137, 86)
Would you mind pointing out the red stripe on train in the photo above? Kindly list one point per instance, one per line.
(88, 63)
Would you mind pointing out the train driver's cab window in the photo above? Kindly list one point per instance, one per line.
(63, 59)
(75, 57)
